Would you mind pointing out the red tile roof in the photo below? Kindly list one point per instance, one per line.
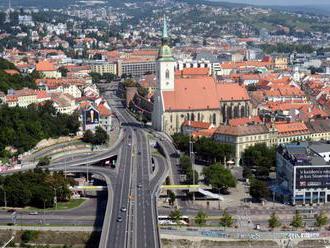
(291, 128)
(201, 93)
(197, 124)
(45, 66)
(103, 110)
(11, 72)
(204, 133)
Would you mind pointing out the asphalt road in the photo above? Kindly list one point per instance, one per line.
(118, 230)
(139, 226)
(145, 225)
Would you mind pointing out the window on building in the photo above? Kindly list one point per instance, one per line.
(214, 119)
(167, 74)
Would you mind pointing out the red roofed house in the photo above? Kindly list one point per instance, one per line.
(48, 69)
(201, 98)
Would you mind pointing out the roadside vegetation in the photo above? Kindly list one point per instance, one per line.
(34, 188)
(99, 137)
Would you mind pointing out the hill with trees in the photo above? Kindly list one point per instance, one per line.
(16, 81)
(23, 128)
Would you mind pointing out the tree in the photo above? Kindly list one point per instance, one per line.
(321, 219)
(88, 136)
(171, 197)
(260, 159)
(219, 177)
(44, 161)
(274, 221)
(258, 189)
(297, 220)
(175, 216)
(100, 136)
(192, 176)
(200, 218)
(63, 71)
(181, 142)
(185, 162)
(226, 220)
(29, 235)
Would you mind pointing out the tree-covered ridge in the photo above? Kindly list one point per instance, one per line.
(17, 81)
(23, 128)
(34, 188)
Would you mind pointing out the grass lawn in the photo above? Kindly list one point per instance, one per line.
(73, 203)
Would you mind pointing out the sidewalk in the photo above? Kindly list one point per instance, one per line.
(53, 228)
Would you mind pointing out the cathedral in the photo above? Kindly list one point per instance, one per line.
(196, 97)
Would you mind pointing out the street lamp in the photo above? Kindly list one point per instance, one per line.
(44, 200)
(55, 197)
(191, 155)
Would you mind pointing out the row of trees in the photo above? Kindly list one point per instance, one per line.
(105, 77)
(23, 128)
(206, 149)
(287, 48)
(34, 188)
(297, 220)
(226, 220)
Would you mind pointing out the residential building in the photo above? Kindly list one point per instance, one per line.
(136, 67)
(48, 69)
(104, 67)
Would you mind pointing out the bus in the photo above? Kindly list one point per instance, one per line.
(167, 220)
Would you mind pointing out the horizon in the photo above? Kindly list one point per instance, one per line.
(278, 2)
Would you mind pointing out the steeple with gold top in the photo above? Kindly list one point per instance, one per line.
(165, 52)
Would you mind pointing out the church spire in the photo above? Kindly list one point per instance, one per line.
(165, 34)
(165, 52)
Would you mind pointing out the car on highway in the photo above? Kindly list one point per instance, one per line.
(119, 219)
(139, 186)
(12, 210)
(123, 209)
(33, 213)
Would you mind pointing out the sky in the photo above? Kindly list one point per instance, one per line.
(280, 2)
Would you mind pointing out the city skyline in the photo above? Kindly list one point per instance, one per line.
(279, 2)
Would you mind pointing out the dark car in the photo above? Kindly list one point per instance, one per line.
(119, 219)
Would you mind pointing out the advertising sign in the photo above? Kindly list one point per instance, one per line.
(313, 177)
(91, 117)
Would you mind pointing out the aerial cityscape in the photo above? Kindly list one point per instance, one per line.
(161, 123)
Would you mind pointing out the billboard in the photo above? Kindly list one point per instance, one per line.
(91, 117)
(312, 177)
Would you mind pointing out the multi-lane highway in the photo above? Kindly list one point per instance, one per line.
(120, 218)
(131, 216)
(135, 188)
